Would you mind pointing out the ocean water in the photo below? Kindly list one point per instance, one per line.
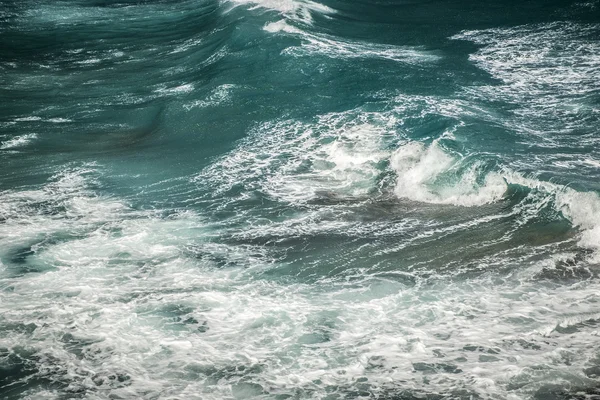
(288, 199)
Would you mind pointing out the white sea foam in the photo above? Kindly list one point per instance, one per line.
(419, 168)
(221, 94)
(290, 160)
(59, 120)
(592, 162)
(557, 57)
(341, 162)
(386, 334)
(18, 141)
(89, 61)
(56, 120)
(581, 208)
(300, 10)
(28, 119)
(185, 88)
(547, 71)
(329, 46)
(62, 205)
(342, 156)
(104, 300)
(137, 305)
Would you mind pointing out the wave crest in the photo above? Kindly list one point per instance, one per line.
(428, 174)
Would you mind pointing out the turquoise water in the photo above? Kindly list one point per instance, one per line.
(285, 199)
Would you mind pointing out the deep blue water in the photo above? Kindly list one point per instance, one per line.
(285, 199)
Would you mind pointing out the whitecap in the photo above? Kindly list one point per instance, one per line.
(418, 169)
(185, 88)
(18, 141)
(294, 9)
(294, 162)
(221, 94)
(333, 47)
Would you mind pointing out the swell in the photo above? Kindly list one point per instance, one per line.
(100, 43)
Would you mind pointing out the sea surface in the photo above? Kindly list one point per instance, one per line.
(288, 199)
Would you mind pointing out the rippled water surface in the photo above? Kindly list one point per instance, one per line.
(286, 199)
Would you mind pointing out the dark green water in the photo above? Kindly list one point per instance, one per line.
(284, 199)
